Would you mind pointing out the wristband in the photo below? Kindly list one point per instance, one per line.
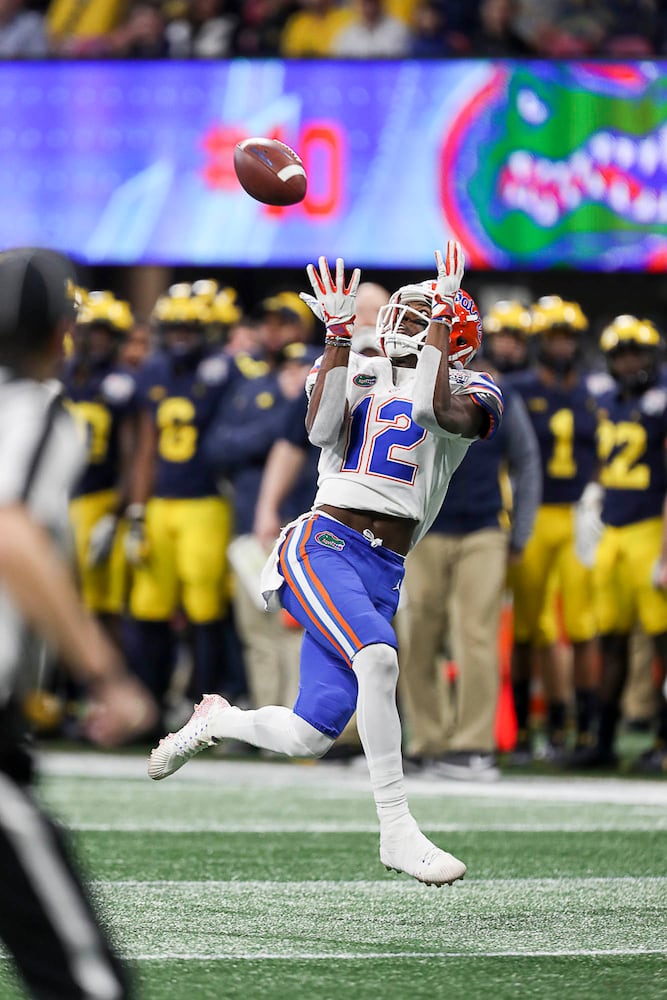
(336, 341)
(443, 311)
(341, 329)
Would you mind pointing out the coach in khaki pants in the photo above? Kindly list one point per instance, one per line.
(454, 590)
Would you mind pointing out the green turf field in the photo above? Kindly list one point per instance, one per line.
(235, 879)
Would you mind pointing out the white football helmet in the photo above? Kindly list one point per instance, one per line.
(465, 336)
(403, 305)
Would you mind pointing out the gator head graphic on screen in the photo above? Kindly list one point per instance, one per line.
(561, 163)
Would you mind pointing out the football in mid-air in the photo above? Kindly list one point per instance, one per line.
(270, 171)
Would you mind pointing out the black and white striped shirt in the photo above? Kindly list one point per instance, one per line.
(41, 454)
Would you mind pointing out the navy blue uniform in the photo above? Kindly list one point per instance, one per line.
(246, 425)
(188, 526)
(631, 445)
(565, 422)
(183, 399)
(473, 500)
(251, 418)
(99, 403)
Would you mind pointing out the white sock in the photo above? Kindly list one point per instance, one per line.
(379, 727)
(271, 728)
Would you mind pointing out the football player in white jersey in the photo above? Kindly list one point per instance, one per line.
(392, 430)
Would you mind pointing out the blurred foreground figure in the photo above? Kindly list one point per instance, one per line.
(46, 919)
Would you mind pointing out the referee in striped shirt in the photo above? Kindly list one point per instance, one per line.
(47, 921)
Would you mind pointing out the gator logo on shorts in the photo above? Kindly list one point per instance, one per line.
(364, 380)
(330, 541)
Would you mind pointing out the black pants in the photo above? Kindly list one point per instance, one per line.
(47, 921)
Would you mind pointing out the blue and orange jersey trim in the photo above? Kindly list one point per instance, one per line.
(489, 396)
(297, 569)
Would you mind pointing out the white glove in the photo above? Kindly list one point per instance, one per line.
(101, 540)
(335, 301)
(136, 543)
(313, 305)
(588, 526)
(659, 577)
(450, 273)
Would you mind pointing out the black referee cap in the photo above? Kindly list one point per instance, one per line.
(34, 296)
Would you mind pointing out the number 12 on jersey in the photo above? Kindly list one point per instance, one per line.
(378, 429)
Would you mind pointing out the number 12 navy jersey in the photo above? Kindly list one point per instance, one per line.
(631, 447)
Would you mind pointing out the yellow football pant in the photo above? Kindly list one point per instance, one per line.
(104, 587)
(549, 561)
(187, 560)
(624, 593)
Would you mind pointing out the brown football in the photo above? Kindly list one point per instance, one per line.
(270, 171)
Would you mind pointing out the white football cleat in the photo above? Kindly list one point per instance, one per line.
(176, 749)
(408, 850)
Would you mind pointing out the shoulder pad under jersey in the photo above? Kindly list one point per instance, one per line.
(484, 391)
(598, 383)
(654, 401)
(118, 387)
(213, 370)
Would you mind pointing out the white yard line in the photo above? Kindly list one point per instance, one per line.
(158, 826)
(331, 779)
(238, 886)
(345, 956)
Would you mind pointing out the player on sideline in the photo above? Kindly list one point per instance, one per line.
(392, 430)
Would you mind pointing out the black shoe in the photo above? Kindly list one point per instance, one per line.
(591, 759)
(554, 752)
(414, 764)
(523, 753)
(652, 761)
(639, 725)
(582, 749)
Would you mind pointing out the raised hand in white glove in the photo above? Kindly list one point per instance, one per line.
(588, 525)
(450, 274)
(101, 540)
(334, 299)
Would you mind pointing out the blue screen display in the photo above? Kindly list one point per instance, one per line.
(529, 164)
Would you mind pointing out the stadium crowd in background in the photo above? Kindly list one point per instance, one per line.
(364, 29)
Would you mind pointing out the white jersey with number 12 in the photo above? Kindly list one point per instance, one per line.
(385, 462)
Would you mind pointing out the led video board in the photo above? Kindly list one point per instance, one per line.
(529, 164)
